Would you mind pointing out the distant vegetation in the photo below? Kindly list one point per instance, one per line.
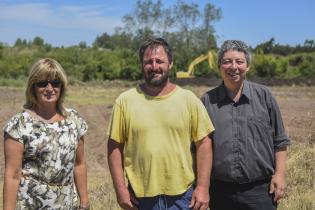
(188, 28)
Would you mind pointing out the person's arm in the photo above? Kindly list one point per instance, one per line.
(277, 185)
(115, 162)
(280, 141)
(200, 197)
(13, 153)
(80, 175)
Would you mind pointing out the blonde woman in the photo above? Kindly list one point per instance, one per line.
(44, 146)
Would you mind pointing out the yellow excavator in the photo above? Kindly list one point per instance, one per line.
(191, 67)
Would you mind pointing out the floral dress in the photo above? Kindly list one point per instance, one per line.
(47, 180)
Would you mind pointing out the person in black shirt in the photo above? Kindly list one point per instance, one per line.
(249, 141)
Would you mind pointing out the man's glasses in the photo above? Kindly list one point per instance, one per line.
(54, 83)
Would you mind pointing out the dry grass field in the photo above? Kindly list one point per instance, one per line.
(94, 103)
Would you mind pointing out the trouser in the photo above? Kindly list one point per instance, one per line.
(234, 196)
(166, 202)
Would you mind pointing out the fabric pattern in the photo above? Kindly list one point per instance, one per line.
(48, 159)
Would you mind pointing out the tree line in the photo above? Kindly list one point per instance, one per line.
(186, 26)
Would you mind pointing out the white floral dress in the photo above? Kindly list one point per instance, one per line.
(48, 160)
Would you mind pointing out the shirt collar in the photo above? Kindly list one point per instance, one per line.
(222, 92)
(246, 91)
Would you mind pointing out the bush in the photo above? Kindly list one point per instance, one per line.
(264, 66)
(88, 64)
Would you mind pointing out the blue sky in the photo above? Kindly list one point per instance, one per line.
(61, 22)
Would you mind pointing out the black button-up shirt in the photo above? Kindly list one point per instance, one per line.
(247, 133)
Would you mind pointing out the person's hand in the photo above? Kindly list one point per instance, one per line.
(200, 199)
(127, 200)
(277, 186)
(84, 207)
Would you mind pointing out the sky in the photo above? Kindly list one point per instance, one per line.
(68, 22)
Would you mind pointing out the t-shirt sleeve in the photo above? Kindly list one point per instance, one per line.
(116, 126)
(81, 124)
(83, 127)
(201, 123)
(14, 127)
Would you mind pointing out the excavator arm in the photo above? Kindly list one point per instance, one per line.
(191, 67)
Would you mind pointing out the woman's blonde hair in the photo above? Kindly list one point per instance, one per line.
(45, 69)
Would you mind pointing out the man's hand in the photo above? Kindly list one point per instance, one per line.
(126, 199)
(200, 199)
(277, 186)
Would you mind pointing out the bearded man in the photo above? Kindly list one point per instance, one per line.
(152, 129)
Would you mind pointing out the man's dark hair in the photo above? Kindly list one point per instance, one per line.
(153, 43)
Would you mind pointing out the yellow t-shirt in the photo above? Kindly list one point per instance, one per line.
(158, 132)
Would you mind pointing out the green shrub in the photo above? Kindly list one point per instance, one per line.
(264, 65)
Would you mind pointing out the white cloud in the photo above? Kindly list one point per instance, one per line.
(63, 17)
(58, 24)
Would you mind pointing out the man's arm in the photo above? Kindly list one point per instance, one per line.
(13, 153)
(200, 197)
(277, 185)
(115, 162)
(80, 174)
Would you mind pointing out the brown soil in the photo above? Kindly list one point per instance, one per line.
(296, 103)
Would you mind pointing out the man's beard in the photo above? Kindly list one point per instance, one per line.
(157, 82)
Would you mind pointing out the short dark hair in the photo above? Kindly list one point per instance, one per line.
(234, 45)
(154, 43)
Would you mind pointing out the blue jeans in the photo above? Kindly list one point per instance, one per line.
(166, 202)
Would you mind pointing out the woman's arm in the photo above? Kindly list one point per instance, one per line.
(80, 175)
(13, 154)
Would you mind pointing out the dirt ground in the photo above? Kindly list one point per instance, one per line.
(297, 104)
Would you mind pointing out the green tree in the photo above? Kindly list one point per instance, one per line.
(186, 18)
(116, 41)
(38, 41)
(211, 14)
(266, 47)
(264, 65)
(104, 41)
(82, 45)
(166, 22)
(144, 19)
(1, 49)
(309, 43)
(18, 42)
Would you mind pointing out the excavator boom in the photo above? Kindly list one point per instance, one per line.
(191, 67)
